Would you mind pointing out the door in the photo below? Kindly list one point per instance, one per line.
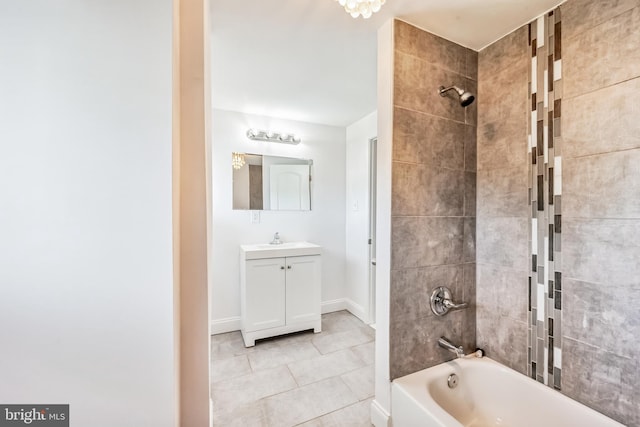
(373, 143)
(303, 288)
(265, 294)
(289, 187)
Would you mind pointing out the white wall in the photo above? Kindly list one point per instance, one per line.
(86, 284)
(323, 225)
(357, 213)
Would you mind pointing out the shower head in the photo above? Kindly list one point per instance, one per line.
(466, 98)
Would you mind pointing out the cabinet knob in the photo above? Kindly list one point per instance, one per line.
(282, 267)
(289, 267)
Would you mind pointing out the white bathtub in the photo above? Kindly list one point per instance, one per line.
(487, 394)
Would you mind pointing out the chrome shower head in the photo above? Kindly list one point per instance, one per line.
(466, 98)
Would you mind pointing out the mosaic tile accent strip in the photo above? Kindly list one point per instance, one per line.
(545, 143)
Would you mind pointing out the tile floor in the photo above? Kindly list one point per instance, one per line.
(303, 379)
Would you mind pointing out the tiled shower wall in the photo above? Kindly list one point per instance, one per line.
(433, 202)
(600, 187)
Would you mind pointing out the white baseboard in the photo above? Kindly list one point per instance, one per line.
(379, 416)
(231, 324)
(222, 326)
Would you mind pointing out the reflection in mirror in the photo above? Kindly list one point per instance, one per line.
(271, 182)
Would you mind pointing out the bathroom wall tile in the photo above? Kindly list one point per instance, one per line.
(596, 186)
(602, 121)
(308, 371)
(470, 179)
(308, 402)
(503, 241)
(471, 69)
(502, 338)
(429, 47)
(493, 59)
(503, 291)
(361, 381)
(503, 192)
(503, 144)
(471, 150)
(328, 343)
(471, 111)
(426, 241)
(423, 138)
(579, 16)
(414, 343)
(504, 95)
(416, 87)
(601, 380)
(411, 289)
(469, 283)
(426, 190)
(592, 312)
(229, 395)
(588, 57)
(601, 250)
(469, 243)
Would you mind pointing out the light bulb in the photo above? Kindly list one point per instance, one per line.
(376, 5)
(367, 14)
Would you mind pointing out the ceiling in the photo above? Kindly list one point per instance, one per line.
(308, 60)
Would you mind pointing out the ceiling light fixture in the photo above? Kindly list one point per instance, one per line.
(366, 8)
(237, 160)
(263, 135)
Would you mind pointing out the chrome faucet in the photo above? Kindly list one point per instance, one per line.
(276, 239)
(446, 344)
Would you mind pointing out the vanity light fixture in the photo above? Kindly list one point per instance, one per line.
(366, 8)
(237, 160)
(263, 135)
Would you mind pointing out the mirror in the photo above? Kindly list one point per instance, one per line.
(271, 183)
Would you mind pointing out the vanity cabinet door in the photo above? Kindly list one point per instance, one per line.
(264, 294)
(303, 288)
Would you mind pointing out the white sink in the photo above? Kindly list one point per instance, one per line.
(267, 250)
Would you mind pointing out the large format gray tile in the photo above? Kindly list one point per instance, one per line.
(229, 395)
(602, 186)
(339, 321)
(602, 121)
(503, 339)
(493, 59)
(505, 94)
(329, 365)
(607, 54)
(366, 352)
(426, 241)
(248, 414)
(601, 251)
(503, 241)
(228, 345)
(503, 192)
(328, 343)
(224, 369)
(579, 16)
(280, 352)
(602, 380)
(426, 190)
(356, 415)
(602, 315)
(426, 139)
(308, 402)
(429, 47)
(361, 381)
(503, 144)
(503, 290)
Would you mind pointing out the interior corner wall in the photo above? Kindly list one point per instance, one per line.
(598, 184)
(86, 279)
(323, 225)
(433, 203)
(357, 214)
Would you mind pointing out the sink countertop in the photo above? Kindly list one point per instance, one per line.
(266, 250)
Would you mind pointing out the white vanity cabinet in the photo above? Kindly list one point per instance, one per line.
(280, 289)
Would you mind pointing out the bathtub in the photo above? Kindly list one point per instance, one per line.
(487, 394)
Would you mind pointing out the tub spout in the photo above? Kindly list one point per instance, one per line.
(446, 344)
